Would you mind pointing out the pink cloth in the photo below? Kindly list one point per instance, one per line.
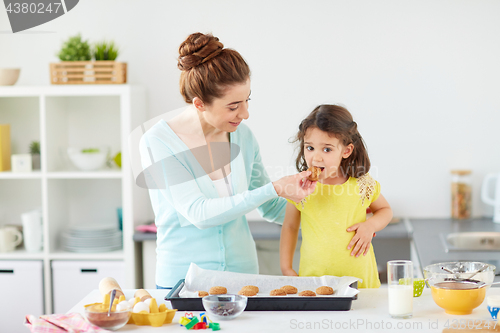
(56, 323)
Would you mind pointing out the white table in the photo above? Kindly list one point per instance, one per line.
(368, 314)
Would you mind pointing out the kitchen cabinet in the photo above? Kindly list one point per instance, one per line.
(73, 116)
(22, 292)
(73, 279)
(394, 242)
(268, 255)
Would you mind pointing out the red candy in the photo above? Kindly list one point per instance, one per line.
(200, 326)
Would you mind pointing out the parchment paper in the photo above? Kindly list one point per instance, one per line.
(203, 279)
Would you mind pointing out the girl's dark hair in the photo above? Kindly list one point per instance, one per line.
(338, 122)
(208, 68)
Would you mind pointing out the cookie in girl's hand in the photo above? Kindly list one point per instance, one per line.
(315, 172)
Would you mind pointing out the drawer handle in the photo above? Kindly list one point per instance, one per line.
(89, 270)
(7, 271)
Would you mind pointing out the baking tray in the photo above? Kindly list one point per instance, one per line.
(268, 303)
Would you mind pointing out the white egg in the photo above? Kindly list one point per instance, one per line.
(131, 302)
(123, 305)
(148, 301)
(141, 306)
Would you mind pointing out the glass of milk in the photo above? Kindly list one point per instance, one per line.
(400, 285)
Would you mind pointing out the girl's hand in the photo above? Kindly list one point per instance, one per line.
(362, 239)
(295, 187)
(289, 272)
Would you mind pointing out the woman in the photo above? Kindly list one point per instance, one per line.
(212, 169)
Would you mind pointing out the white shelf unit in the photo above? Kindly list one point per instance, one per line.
(73, 116)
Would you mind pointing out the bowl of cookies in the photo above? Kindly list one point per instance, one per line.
(224, 306)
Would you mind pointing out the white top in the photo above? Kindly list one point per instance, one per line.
(223, 186)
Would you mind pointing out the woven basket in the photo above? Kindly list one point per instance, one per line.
(88, 72)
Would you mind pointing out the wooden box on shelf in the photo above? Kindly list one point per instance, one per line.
(88, 72)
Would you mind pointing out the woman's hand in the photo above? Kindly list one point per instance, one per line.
(295, 187)
(362, 239)
(289, 272)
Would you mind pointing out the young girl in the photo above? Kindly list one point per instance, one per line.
(335, 231)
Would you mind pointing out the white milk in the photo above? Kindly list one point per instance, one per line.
(400, 300)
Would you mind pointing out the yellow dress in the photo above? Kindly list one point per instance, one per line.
(325, 216)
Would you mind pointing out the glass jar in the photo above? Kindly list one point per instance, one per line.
(461, 194)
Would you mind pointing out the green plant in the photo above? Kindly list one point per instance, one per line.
(74, 49)
(34, 147)
(105, 51)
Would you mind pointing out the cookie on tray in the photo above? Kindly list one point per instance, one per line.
(254, 289)
(325, 290)
(202, 293)
(277, 292)
(218, 290)
(307, 293)
(289, 289)
(247, 292)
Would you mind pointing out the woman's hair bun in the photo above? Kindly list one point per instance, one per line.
(207, 68)
(197, 49)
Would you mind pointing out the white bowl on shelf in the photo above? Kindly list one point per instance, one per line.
(9, 76)
(88, 159)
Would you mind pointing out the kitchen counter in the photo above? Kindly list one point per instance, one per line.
(368, 314)
(428, 236)
(262, 230)
(266, 230)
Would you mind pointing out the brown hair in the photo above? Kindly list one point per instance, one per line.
(338, 122)
(208, 68)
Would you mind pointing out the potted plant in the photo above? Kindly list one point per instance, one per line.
(76, 66)
(35, 154)
(75, 49)
(103, 51)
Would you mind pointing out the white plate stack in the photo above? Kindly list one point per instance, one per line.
(92, 239)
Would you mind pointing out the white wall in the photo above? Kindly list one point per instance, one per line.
(422, 78)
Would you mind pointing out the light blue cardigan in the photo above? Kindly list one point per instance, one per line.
(194, 224)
